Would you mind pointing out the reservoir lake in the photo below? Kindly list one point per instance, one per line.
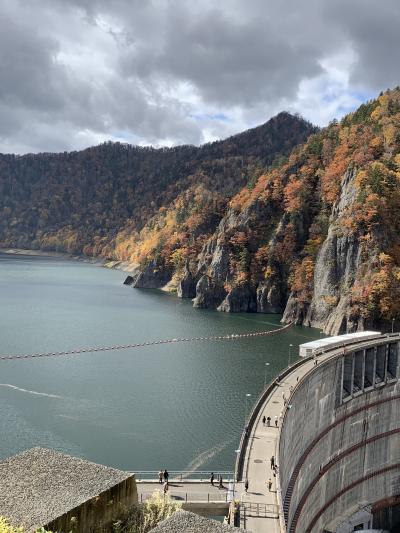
(176, 406)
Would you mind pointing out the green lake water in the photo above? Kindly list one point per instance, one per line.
(177, 406)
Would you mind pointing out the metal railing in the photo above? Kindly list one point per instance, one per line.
(262, 510)
(184, 475)
(192, 497)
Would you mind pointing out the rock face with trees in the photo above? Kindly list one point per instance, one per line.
(283, 218)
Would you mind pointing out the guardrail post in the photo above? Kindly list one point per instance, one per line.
(208, 497)
(186, 497)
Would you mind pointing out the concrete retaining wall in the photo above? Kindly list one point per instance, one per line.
(97, 514)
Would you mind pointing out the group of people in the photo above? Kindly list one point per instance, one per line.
(163, 477)
(266, 420)
(220, 482)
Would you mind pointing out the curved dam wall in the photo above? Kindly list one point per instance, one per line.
(339, 448)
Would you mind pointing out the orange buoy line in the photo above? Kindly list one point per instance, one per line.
(79, 351)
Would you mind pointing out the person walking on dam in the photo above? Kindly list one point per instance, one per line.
(212, 477)
(276, 421)
(165, 488)
(264, 420)
(166, 476)
(268, 421)
(160, 476)
(272, 462)
(246, 485)
(269, 484)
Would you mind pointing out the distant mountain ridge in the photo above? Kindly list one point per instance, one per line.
(78, 202)
(281, 218)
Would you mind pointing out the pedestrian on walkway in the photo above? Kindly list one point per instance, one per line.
(269, 484)
(166, 475)
(165, 488)
(160, 476)
(212, 478)
(276, 421)
(221, 485)
(264, 420)
(246, 485)
(268, 421)
(272, 462)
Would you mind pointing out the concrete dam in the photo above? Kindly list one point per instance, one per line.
(337, 443)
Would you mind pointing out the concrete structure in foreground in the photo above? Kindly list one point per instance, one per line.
(337, 443)
(41, 487)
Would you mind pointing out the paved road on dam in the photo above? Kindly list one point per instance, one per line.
(260, 510)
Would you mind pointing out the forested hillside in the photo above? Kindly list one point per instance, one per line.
(282, 218)
(79, 202)
(316, 237)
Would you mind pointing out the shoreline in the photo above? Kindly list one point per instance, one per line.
(113, 264)
(34, 253)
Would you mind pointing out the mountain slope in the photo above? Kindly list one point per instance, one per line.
(257, 222)
(318, 236)
(79, 202)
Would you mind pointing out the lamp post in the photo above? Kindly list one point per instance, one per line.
(290, 353)
(265, 374)
(392, 324)
(235, 473)
(245, 414)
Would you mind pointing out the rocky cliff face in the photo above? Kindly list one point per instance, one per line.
(153, 276)
(216, 273)
(279, 219)
(317, 237)
(336, 267)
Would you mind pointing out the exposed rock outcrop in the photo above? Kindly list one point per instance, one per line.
(240, 299)
(269, 298)
(187, 285)
(336, 267)
(315, 235)
(154, 276)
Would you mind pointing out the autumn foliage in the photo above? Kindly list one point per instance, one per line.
(268, 197)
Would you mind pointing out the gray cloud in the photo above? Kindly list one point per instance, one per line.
(77, 72)
(373, 29)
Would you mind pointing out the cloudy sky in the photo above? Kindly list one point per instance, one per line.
(74, 73)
